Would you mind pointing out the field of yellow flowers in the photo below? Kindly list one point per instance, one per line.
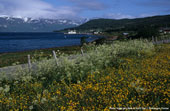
(134, 82)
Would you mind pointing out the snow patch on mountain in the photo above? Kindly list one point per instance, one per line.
(48, 21)
(18, 23)
(25, 19)
(4, 26)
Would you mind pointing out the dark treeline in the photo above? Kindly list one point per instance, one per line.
(125, 24)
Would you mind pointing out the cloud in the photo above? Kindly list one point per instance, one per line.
(118, 16)
(42, 9)
(89, 4)
(35, 9)
(76, 8)
(147, 15)
(123, 16)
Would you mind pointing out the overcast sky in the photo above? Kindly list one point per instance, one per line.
(116, 9)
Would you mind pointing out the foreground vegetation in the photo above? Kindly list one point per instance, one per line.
(123, 74)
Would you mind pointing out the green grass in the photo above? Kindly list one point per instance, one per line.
(95, 58)
(9, 59)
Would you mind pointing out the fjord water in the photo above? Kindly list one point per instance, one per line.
(14, 42)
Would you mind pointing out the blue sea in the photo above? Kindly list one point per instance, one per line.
(16, 42)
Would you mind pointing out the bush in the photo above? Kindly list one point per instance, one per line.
(76, 67)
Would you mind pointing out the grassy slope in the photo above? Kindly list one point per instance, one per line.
(8, 59)
(135, 82)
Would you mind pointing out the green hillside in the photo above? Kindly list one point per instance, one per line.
(124, 24)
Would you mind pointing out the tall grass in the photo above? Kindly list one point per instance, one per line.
(114, 75)
(75, 68)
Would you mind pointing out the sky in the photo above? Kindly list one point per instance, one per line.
(76, 9)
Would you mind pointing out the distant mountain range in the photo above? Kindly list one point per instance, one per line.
(24, 24)
(124, 24)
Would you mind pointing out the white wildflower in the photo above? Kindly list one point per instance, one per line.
(43, 100)
(31, 107)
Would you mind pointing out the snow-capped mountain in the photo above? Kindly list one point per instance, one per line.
(25, 24)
